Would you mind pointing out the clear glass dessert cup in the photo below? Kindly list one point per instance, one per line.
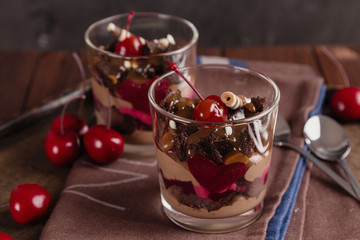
(213, 175)
(121, 82)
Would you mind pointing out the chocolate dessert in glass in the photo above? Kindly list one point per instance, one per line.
(214, 144)
(126, 53)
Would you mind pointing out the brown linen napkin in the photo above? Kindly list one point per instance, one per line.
(323, 210)
(122, 200)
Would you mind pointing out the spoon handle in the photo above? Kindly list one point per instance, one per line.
(354, 183)
(339, 180)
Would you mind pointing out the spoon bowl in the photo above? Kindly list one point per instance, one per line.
(281, 139)
(327, 140)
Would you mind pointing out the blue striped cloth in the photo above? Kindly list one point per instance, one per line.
(279, 223)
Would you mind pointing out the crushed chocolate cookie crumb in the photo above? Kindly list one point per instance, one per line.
(214, 147)
(247, 144)
(215, 201)
(180, 142)
(259, 103)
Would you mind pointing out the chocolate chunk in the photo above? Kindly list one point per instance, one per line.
(189, 129)
(103, 70)
(180, 142)
(259, 103)
(236, 114)
(215, 201)
(111, 46)
(149, 48)
(212, 146)
(146, 50)
(154, 47)
(247, 144)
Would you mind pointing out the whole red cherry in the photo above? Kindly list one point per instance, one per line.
(29, 202)
(130, 46)
(103, 144)
(71, 121)
(211, 109)
(4, 236)
(345, 104)
(62, 148)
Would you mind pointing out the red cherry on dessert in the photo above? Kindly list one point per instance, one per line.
(211, 109)
(71, 121)
(103, 144)
(62, 149)
(218, 99)
(29, 202)
(130, 46)
(345, 104)
(4, 236)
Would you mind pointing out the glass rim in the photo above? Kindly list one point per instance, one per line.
(192, 42)
(172, 116)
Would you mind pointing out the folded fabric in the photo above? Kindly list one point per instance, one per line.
(121, 200)
(279, 223)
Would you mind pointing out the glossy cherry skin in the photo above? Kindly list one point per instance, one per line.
(4, 236)
(137, 93)
(104, 145)
(130, 46)
(29, 202)
(345, 104)
(62, 149)
(211, 109)
(71, 121)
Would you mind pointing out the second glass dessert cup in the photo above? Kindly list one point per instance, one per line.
(126, 79)
(213, 175)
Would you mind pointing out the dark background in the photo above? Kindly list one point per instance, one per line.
(60, 24)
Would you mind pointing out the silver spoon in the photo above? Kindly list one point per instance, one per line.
(281, 139)
(328, 141)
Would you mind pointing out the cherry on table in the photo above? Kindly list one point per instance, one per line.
(103, 144)
(29, 202)
(4, 236)
(62, 145)
(345, 104)
(62, 148)
(71, 121)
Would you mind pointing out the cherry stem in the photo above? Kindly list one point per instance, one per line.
(107, 95)
(130, 17)
(5, 205)
(83, 76)
(176, 69)
(64, 109)
(337, 63)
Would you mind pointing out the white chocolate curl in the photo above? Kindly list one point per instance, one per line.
(119, 33)
(231, 100)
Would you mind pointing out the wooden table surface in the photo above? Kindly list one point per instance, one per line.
(32, 78)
